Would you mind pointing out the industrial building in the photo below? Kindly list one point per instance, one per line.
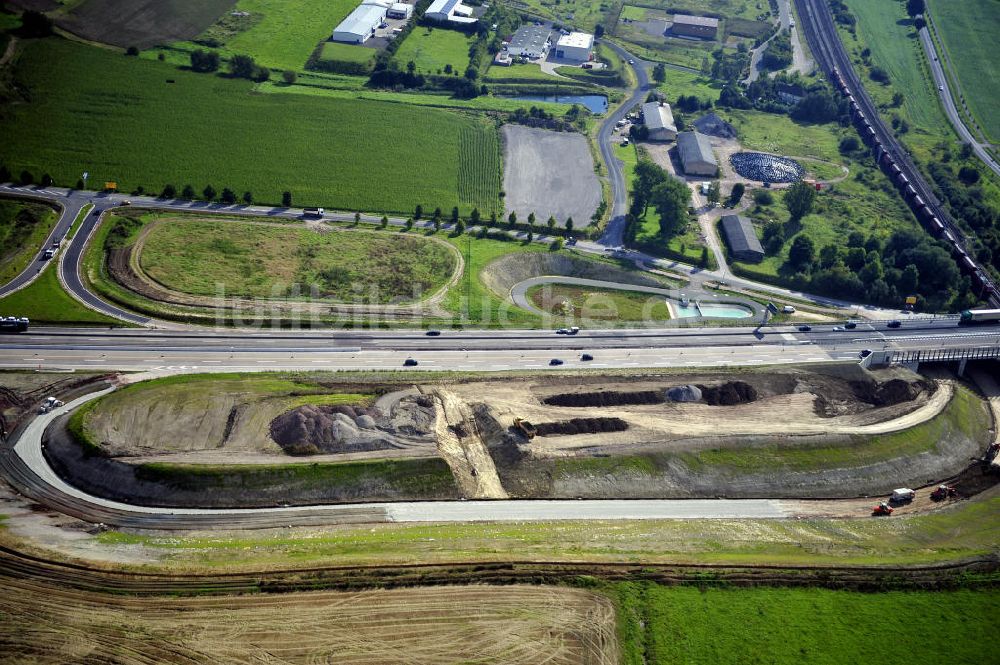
(702, 27)
(449, 10)
(530, 41)
(400, 10)
(577, 46)
(695, 152)
(742, 239)
(361, 23)
(659, 120)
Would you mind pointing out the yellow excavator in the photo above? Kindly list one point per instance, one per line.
(526, 428)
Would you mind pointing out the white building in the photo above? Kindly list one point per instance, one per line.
(575, 46)
(400, 10)
(660, 121)
(449, 10)
(361, 23)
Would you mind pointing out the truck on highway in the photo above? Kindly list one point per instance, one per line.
(312, 212)
(971, 316)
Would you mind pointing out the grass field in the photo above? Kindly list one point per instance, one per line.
(884, 28)
(287, 31)
(45, 301)
(599, 304)
(430, 49)
(23, 228)
(968, 31)
(358, 163)
(347, 53)
(255, 260)
(523, 73)
(768, 132)
(688, 83)
(662, 625)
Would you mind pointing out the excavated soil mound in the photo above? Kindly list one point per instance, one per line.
(581, 426)
(606, 398)
(891, 392)
(309, 429)
(729, 394)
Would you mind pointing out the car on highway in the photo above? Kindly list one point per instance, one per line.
(805, 328)
(410, 362)
(562, 331)
(631, 61)
(837, 328)
(941, 88)
(895, 323)
(850, 325)
(433, 333)
(555, 361)
(586, 356)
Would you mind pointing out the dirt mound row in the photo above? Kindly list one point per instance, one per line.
(891, 392)
(729, 394)
(581, 426)
(606, 398)
(308, 430)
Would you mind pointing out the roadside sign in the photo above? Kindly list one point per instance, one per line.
(911, 300)
(111, 185)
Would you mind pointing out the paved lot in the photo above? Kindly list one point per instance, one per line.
(549, 173)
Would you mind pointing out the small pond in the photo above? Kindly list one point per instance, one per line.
(711, 311)
(594, 103)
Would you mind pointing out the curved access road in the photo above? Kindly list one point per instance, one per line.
(68, 210)
(27, 468)
(614, 233)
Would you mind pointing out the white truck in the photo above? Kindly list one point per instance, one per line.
(902, 495)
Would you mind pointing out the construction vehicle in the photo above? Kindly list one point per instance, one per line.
(882, 509)
(49, 404)
(943, 492)
(525, 428)
(902, 495)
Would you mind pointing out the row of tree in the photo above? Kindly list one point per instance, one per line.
(668, 196)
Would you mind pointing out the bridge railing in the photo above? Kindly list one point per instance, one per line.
(944, 355)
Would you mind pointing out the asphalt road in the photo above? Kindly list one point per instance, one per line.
(68, 212)
(614, 232)
(948, 101)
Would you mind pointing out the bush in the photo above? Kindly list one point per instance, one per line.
(132, 51)
(289, 76)
(763, 197)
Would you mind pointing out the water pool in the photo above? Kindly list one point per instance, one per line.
(594, 103)
(712, 311)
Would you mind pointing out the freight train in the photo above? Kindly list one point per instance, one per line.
(982, 285)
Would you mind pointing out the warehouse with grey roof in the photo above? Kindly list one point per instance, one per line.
(742, 239)
(659, 120)
(695, 152)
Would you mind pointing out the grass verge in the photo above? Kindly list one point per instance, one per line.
(45, 301)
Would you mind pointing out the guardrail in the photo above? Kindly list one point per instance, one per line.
(943, 355)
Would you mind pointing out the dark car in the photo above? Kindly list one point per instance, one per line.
(410, 362)
(586, 356)
(851, 325)
(433, 333)
(555, 361)
(805, 328)
(894, 324)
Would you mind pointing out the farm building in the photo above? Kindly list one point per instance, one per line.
(400, 10)
(742, 239)
(575, 46)
(530, 41)
(695, 151)
(361, 23)
(659, 120)
(703, 27)
(449, 10)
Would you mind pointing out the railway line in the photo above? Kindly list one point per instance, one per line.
(892, 158)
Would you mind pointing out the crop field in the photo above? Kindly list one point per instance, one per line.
(884, 28)
(599, 304)
(141, 23)
(255, 260)
(281, 34)
(45, 301)
(968, 31)
(23, 228)
(358, 162)
(662, 625)
(431, 49)
(479, 154)
(50, 623)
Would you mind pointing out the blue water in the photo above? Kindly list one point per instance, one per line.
(594, 103)
(713, 311)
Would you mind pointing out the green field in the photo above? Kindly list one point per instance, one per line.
(968, 31)
(779, 134)
(516, 73)
(45, 301)
(287, 30)
(430, 49)
(347, 53)
(24, 226)
(203, 129)
(884, 28)
(662, 625)
(688, 83)
(599, 304)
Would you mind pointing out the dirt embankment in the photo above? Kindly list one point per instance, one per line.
(463, 448)
(501, 275)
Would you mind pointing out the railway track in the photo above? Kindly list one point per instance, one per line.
(821, 33)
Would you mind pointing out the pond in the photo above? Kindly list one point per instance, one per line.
(594, 103)
(711, 311)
